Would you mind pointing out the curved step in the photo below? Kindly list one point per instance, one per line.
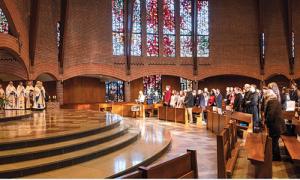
(13, 115)
(142, 152)
(29, 153)
(24, 168)
(57, 138)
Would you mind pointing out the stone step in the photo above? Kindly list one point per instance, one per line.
(25, 168)
(35, 152)
(11, 144)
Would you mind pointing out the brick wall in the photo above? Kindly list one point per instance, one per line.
(88, 49)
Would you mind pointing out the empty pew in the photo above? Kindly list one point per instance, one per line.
(172, 114)
(258, 148)
(182, 167)
(227, 151)
(216, 122)
(292, 146)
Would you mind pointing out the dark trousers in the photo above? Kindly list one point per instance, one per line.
(275, 147)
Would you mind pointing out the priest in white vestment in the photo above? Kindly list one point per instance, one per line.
(21, 96)
(2, 97)
(29, 95)
(38, 97)
(11, 96)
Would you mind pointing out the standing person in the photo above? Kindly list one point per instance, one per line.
(252, 104)
(141, 98)
(274, 122)
(167, 97)
(21, 96)
(11, 94)
(212, 98)
(219, 100)
(206, 96)
(189, 104)
(173, 99)
(29, 95)
(44, 94)
(238, 100)
(294, 93)
(39, 97)
(180, 101)
(246, 107)
(228, 93)
(274, 87)
(2, 97)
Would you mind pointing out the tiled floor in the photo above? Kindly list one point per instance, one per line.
(183, 137)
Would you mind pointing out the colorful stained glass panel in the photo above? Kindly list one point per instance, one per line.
(169, 46)
(136, 45)
(185, 17)
(118, 43)
(152, 88)
(186, 46)
(152, 16)
(3, 23)
(203, 46)
(152, 45)
(169, 16)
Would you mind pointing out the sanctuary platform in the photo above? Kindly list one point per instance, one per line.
(11, 115)
(79, 144)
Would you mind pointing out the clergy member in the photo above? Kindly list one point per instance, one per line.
(29, 95)
(11, 94)
(21, 96)
(38, 97)
(2, 97)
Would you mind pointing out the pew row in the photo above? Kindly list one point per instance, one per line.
(227, 151)
(182, 167)
(172, 114)
(258, 148)
(292, 146)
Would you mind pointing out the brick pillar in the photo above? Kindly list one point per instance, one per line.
(195, 85)
(60, 92)
(127, 91)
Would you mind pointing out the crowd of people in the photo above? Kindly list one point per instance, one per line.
(31, 97)
(265, 105)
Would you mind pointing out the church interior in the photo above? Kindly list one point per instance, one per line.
(138, 89)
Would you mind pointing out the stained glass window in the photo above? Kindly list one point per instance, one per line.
(169, 28)
(118, 27)
(136, 41)
(114, 91)
(186, 84)
(186, 28)
(202, 29)
(293, 45)
(3, 23)
(152, 27)
(152, 88)
(58, 34)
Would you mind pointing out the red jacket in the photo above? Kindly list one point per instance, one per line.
(167, 97)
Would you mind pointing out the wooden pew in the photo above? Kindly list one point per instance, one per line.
(182, 167)
(240, 117)
(227, 151)
(258, 148)
(172, 114)
(292, 146)
(209, 124)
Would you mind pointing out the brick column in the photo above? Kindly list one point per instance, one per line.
(127, 91)
(195, 85)
(60, 92)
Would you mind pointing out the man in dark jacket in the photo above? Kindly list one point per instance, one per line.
(252, 104)
(293, 93)
(246, 98)
(275, 123)
(238, 100)
(189, 104)
(219, 99)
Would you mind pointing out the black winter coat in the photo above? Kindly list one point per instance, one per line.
(274, 120)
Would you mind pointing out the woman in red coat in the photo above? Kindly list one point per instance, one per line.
(212, 98)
